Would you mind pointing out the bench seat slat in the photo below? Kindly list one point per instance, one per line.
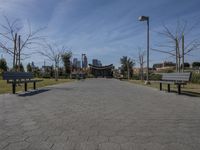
(17, 75)
(177, 76)
(171, 82)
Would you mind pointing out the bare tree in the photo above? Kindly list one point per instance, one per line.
(13, 41)
(176, 43)
(141, 61)
(54, 54)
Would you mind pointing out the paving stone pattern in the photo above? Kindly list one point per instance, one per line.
(99, 114)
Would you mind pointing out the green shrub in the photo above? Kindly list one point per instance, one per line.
(195, 78)
(136, 77)
(66, 76)
(90, 76)
(196, 65)
(155, 76)
(62, 77)
(46, 76)
(166, 70)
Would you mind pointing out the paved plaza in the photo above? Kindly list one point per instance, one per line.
(99, 114)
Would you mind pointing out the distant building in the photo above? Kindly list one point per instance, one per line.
(75, 60)
(96, 62)
(78, 64)
(33, 66)
(164, 66)
(99, 63)
(84, 61)
(46, 69)
(136, 70)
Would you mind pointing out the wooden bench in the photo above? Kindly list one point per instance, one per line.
(176, 79)
(15, 78)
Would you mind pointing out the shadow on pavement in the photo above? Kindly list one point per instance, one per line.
(31, 93)
(62, 88)
(192, 94)
(187, 93)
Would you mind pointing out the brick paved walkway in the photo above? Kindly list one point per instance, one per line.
(99, 114)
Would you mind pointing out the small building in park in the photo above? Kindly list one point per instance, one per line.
(102, 71)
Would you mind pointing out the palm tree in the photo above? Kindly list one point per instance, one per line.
(66, 56)
(126, 66)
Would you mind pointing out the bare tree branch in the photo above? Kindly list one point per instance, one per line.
(10, 30)
(53, 53)
(177, 43)
(162, 51)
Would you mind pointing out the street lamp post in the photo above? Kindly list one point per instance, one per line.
(146, 18)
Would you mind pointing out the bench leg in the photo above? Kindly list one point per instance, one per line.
(160, 86)
(25, 86)
(34, 85)
(168, 87)
(179, 89)
(13, 88)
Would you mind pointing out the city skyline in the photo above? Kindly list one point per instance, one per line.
(105, 30)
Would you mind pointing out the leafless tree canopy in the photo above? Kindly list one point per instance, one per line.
(176, 42)
(13, 41)
(54, 53)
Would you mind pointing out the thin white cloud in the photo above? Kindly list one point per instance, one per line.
(100, 28)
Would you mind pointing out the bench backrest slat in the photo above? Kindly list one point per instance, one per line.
(17, 75)
(186, 76)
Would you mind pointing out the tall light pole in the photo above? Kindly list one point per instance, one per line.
(146, 18)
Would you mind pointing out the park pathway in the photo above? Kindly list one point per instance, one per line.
(99, 114)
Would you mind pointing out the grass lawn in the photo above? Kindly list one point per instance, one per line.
(189, 89)
(7, 88)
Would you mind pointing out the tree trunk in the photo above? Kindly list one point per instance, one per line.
(19, 52)
(141, 72)
(128, 71)
(15, 51)
(183, 49)
(177, 56)
(56, 71)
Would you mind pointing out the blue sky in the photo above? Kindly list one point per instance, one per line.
(105, 29)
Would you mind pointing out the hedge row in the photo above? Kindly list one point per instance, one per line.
(152, 76)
